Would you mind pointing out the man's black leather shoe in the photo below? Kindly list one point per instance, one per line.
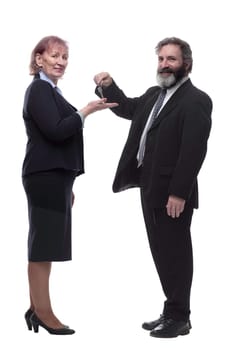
(169, 328)
(149, 326)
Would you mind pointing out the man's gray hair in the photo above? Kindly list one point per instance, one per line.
(184, 46)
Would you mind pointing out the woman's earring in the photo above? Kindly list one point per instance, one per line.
(37, 67)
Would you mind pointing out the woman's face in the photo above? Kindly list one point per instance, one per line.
(53, 61)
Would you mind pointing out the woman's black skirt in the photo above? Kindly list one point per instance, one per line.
(49, 196)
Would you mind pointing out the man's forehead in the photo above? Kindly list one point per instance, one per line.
(169, 50)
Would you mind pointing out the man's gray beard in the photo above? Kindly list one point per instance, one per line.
(166, 82)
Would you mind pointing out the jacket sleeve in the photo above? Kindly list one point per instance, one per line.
(195, 133)
(127, 105)
(54, 122)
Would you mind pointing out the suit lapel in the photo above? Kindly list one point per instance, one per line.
(148, 107)
(172, 103)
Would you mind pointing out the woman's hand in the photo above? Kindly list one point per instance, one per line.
(97, 105)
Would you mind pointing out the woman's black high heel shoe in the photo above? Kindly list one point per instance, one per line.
(27, 316)
(36, 322)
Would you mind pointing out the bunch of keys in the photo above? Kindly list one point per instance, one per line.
(100, 91)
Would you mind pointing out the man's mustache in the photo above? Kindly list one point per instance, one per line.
(165, 70)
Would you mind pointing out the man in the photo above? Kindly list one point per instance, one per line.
(163, 155)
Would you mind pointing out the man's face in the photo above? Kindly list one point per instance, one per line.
(171, 67)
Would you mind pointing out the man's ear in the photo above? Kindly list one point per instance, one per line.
(187, 66)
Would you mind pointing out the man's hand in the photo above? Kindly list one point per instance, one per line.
(175, 206)
(103, 79)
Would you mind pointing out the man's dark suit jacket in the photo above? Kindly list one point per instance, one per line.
(54, 130)
(176, 144)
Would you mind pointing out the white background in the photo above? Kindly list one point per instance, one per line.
(111, 285)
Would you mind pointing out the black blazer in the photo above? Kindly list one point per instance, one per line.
(176, 144)
(54, 130)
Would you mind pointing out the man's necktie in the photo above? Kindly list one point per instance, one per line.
(142, 145)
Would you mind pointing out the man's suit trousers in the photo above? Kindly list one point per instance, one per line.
(171, 248)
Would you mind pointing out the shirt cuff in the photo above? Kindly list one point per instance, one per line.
(81, 116)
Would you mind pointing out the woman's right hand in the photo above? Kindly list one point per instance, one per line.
(97, 105)
(103, 79)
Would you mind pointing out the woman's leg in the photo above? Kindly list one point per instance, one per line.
(38, 276)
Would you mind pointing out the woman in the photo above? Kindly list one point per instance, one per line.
(54, 157)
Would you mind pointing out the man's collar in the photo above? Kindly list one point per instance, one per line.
(178, 84)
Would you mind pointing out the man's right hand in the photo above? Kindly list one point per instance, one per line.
(103, 79)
